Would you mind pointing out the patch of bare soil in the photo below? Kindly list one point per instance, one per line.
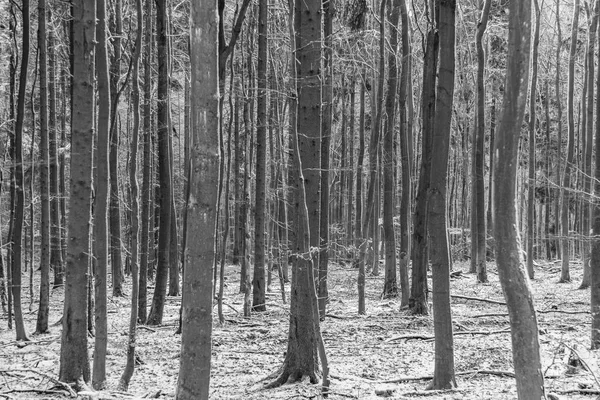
(386, 353)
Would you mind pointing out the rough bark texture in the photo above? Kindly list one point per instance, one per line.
(595, 256)
(359, 196)
(74, 357)
(511, 269)
(443, 375)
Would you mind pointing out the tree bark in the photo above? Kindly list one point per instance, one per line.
(258, 282)
(512, 272)
(101, 192)
(164, 169)
(390, 286)
(17, 171)
(418, 299)
(478, 235)
(437, 209)
(74, 357)
(44, 308)
(566, 184)
(194, 367)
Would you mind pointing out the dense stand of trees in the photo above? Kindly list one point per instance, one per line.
(323, 132)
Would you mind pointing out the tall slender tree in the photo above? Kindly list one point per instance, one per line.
(44, 308)
(17, 170)
(258, 281)
(74, 357)
(101, 201)
(565, 276)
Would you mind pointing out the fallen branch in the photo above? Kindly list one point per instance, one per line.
(32, 390)
(579, 391)
(509, 374)
(562, 312)
(458, 296)
(58, 383)
(424, 393)
(431, 337)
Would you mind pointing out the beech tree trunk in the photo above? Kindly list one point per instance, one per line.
(44, 308)
(437, 207)
(74, 357)
(164, 169)
(566, 184)
(194, 367)
(101, 189)
(18, 186)
(511, 269)
(390, 286)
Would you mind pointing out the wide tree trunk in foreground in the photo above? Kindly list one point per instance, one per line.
(511, 269)
(74, 357)
(194, 369)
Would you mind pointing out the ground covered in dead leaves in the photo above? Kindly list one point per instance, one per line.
(384, 354)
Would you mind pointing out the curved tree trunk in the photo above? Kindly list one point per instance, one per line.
(17, 170)
(512, 272)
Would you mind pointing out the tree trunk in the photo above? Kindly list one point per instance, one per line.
(17, 171)
(532, 141)
(359, 196)
(589, 135)
(194, 368)
(326, 133)
(44, 308)
(478, 235)
(305, 344)
(258, 282)
(512, 272)
(56, 260)
(146, 215)
(74, 357)
(101, 191)
(405, 159)
(390, 286)
(164, 169)
(437, 209)
(130, 366)
(115, 207)
(418, 299)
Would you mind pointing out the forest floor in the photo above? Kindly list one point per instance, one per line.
(385, 353)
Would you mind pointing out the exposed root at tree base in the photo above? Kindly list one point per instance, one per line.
(291, 377)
